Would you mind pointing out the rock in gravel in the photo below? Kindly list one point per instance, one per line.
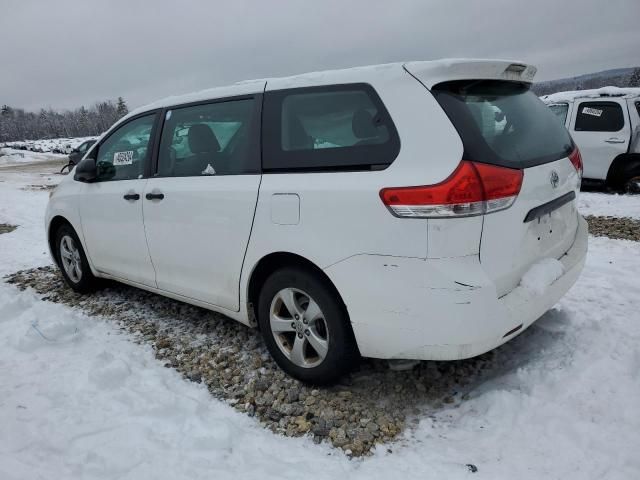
(370, 406)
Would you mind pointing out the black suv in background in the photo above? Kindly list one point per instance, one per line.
(77, 153)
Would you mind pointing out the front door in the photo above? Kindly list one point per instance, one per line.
(111, 207)
(602, 131)
(199, 205)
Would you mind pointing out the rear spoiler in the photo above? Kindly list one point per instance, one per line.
(431, 73)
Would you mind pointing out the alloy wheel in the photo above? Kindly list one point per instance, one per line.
(299, 327)
(70, 257)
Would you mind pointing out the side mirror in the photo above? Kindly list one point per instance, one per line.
(86, 171)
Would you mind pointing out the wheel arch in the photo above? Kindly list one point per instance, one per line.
(623, 166)
(274, 261)
(55, 223)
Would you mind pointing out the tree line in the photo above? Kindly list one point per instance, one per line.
(631, 79)
(17, 124)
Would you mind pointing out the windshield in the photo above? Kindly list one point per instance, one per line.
(503, 123)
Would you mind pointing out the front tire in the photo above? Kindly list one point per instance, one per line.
(306, 326)
(72, 261)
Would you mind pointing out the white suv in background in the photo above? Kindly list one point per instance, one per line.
(605, 124)
(424, 210)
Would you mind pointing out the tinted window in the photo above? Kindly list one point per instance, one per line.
(638, 107)
(560, 110)
(503, 123)
(211, 139)
(122, 156)
(327, 128)
(599, 117)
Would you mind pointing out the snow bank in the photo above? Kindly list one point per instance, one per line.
(53, 145)
(10, 156)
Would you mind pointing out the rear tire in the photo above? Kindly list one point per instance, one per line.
(72, 261)
(306, 326)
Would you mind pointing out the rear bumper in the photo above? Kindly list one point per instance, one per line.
(444, 309)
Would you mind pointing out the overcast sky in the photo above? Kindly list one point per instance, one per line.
(66, 53)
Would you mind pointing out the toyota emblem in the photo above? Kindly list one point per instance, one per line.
(554, 179)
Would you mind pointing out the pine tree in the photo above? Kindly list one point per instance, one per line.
(84, 120)
(122, 107)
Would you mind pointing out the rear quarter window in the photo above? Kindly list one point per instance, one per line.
(339, 127)
(599, 117)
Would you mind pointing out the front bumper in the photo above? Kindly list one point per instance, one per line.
(444, 309)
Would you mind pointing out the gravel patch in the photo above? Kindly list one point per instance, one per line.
(6, 228)
(40, 188)
(614, 227)
(372, 406)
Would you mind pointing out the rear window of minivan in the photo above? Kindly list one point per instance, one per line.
(503, 123)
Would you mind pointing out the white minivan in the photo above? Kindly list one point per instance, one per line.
(424, 210)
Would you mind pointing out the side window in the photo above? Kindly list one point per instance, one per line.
(123, 154)
(212, 139)
(638, 107)
(328, 128)
(599, 117)
(560, 110)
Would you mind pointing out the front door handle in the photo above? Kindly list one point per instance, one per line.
(615, 140)
(131, 196)
(154, 196)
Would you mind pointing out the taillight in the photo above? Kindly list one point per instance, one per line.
(576, 159)
(472, 189)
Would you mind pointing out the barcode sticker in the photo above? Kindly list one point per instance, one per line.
(123, 158)
(591, 111)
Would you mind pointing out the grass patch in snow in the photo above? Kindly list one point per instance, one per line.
(6, 228)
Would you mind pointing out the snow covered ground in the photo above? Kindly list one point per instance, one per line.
(80, 399)
(608, 204)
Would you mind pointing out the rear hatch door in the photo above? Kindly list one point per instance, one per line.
(501, 122)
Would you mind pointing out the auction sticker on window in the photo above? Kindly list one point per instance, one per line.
(591, 111)
(123, 158)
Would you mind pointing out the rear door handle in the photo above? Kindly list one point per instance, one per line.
(131, 196)
(615, 140)
(154, 196)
